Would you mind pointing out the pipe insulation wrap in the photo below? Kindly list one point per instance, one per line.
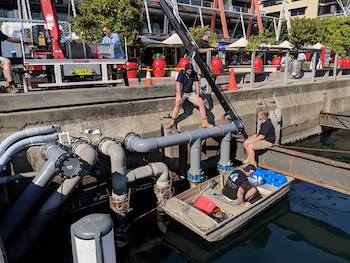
(135, 143)
(20, 145)
(26, 133)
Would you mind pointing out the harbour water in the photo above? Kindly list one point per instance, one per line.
(310, 225)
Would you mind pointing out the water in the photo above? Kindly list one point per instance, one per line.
(312, 224)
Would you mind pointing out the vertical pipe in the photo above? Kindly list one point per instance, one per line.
(225, 153)
(286, 69)
(93, 239)
(147, 17)
(195, 172)
(243, 25)
(313, 73)
(252, 72)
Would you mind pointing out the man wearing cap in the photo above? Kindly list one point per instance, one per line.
(237, 186)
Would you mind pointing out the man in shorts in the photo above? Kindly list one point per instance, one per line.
(5, 63)
(263, 140)
(237, 186)
(184, 91)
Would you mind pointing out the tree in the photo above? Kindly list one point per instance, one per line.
(197, 33)
(265, 37)
(122, 16)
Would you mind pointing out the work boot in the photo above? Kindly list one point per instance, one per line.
(206, 124)
(170, 125)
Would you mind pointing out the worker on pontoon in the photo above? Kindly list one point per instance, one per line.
(263, 140)
(5, 63)
(237, 186)
(185, 81)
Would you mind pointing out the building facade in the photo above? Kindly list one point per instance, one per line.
(303, 8)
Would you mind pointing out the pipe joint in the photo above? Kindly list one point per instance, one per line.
(222, 168)
(127, 140)
(198, 178)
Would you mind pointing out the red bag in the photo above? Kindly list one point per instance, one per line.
(205, 205)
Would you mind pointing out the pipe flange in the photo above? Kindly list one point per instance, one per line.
(195, 178)
(224, 168)
(69, 165)
(45, 148)
(127, 138)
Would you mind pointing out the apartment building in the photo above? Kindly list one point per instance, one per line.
(303, 8)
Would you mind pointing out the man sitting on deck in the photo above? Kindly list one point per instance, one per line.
(263, 140)
(238, 187)
(184, 91)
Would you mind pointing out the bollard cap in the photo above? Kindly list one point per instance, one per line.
(92, 226)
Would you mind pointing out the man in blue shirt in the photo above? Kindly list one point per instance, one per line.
(113, 38)
(184, 91)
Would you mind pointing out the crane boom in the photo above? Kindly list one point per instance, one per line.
(51, 22)
(192, 48)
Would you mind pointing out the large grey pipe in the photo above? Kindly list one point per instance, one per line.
(115, 151)
(88, 155)
(56, 157)
(20, 145)
(134, 143)
(157, 169)
(225, 163)
(26, 133)
(119, 198)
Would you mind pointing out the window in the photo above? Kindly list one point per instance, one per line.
(298, 11)
(267, 3)
(274, 14)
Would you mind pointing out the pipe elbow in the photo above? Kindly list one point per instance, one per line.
(113, 149)
(161, 171)
(135, 143)
(87, 153)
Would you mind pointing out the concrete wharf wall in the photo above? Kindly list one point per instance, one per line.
(117, 111)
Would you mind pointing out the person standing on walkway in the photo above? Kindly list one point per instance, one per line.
(185, 81)
(263, 140)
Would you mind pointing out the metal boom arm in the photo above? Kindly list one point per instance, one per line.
(192, 48)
